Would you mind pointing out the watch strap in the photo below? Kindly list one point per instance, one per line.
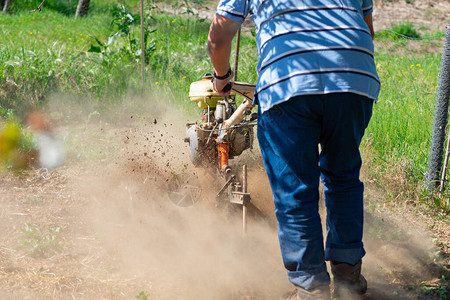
(222, 77)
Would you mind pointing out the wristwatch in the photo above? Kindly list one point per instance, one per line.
(222, 77)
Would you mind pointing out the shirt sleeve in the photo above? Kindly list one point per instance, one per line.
(236, 10)
(367, 7)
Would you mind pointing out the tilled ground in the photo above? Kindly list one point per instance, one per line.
(102, 227)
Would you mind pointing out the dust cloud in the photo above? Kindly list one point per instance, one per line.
(197, 252)
(127, 236)
(401, 255)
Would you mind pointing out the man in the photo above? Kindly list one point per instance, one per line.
(317, 84)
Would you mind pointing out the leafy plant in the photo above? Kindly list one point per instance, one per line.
(37, 243)
(406, 30)
(440, 288)
(399, 31)
(190, 7)
(102, 48)
(124, 23)
(6, 113)
(440, 200)
(142, 296)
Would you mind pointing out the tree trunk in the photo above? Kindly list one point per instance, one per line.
(6, 6)
(82, 8)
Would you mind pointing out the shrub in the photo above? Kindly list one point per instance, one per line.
(399, 31)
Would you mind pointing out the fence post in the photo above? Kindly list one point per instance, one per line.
(142, 50)
(440, 117)
(82, 8)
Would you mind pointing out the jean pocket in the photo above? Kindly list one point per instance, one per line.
(270, 117)
(276, 111)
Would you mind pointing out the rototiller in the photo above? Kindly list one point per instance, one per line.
(223, 132)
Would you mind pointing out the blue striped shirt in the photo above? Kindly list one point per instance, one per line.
(309, 47)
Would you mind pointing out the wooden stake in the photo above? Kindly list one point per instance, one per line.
(244, 206)
(142, 49)
(236, 58)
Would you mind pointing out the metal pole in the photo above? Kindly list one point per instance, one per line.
(440, 117)
(236, 57)
(244, 205)
(142, 49)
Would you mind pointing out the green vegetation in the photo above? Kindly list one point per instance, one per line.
(48, 53)
(440, 289)
(402, 121)
(399, 31)
(40, 244)
(42, 53)
(66, 7)
(398, 138)
(15, 143)
(142, 295)
(95, 60)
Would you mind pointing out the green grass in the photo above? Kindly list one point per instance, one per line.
(36, 62)
(67, 7)
(401, 125)
(399, 135)
(46, 53)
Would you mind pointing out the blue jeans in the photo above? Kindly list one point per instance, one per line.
(289, 135)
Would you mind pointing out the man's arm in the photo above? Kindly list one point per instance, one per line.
(369, 22)
(220, 37)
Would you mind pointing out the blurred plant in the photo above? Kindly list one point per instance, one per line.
(16, 145)
(9, 140)
(6, 113)
(142, 296)
(40, 244)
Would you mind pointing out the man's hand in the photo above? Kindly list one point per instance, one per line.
(220, 85)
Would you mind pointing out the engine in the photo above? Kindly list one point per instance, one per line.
(223, 129)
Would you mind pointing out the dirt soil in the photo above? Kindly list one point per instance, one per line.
(102, 226)
(426, 15)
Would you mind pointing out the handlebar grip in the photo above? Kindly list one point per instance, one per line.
(227, 88)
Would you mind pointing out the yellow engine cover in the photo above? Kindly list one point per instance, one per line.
(201, 91)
